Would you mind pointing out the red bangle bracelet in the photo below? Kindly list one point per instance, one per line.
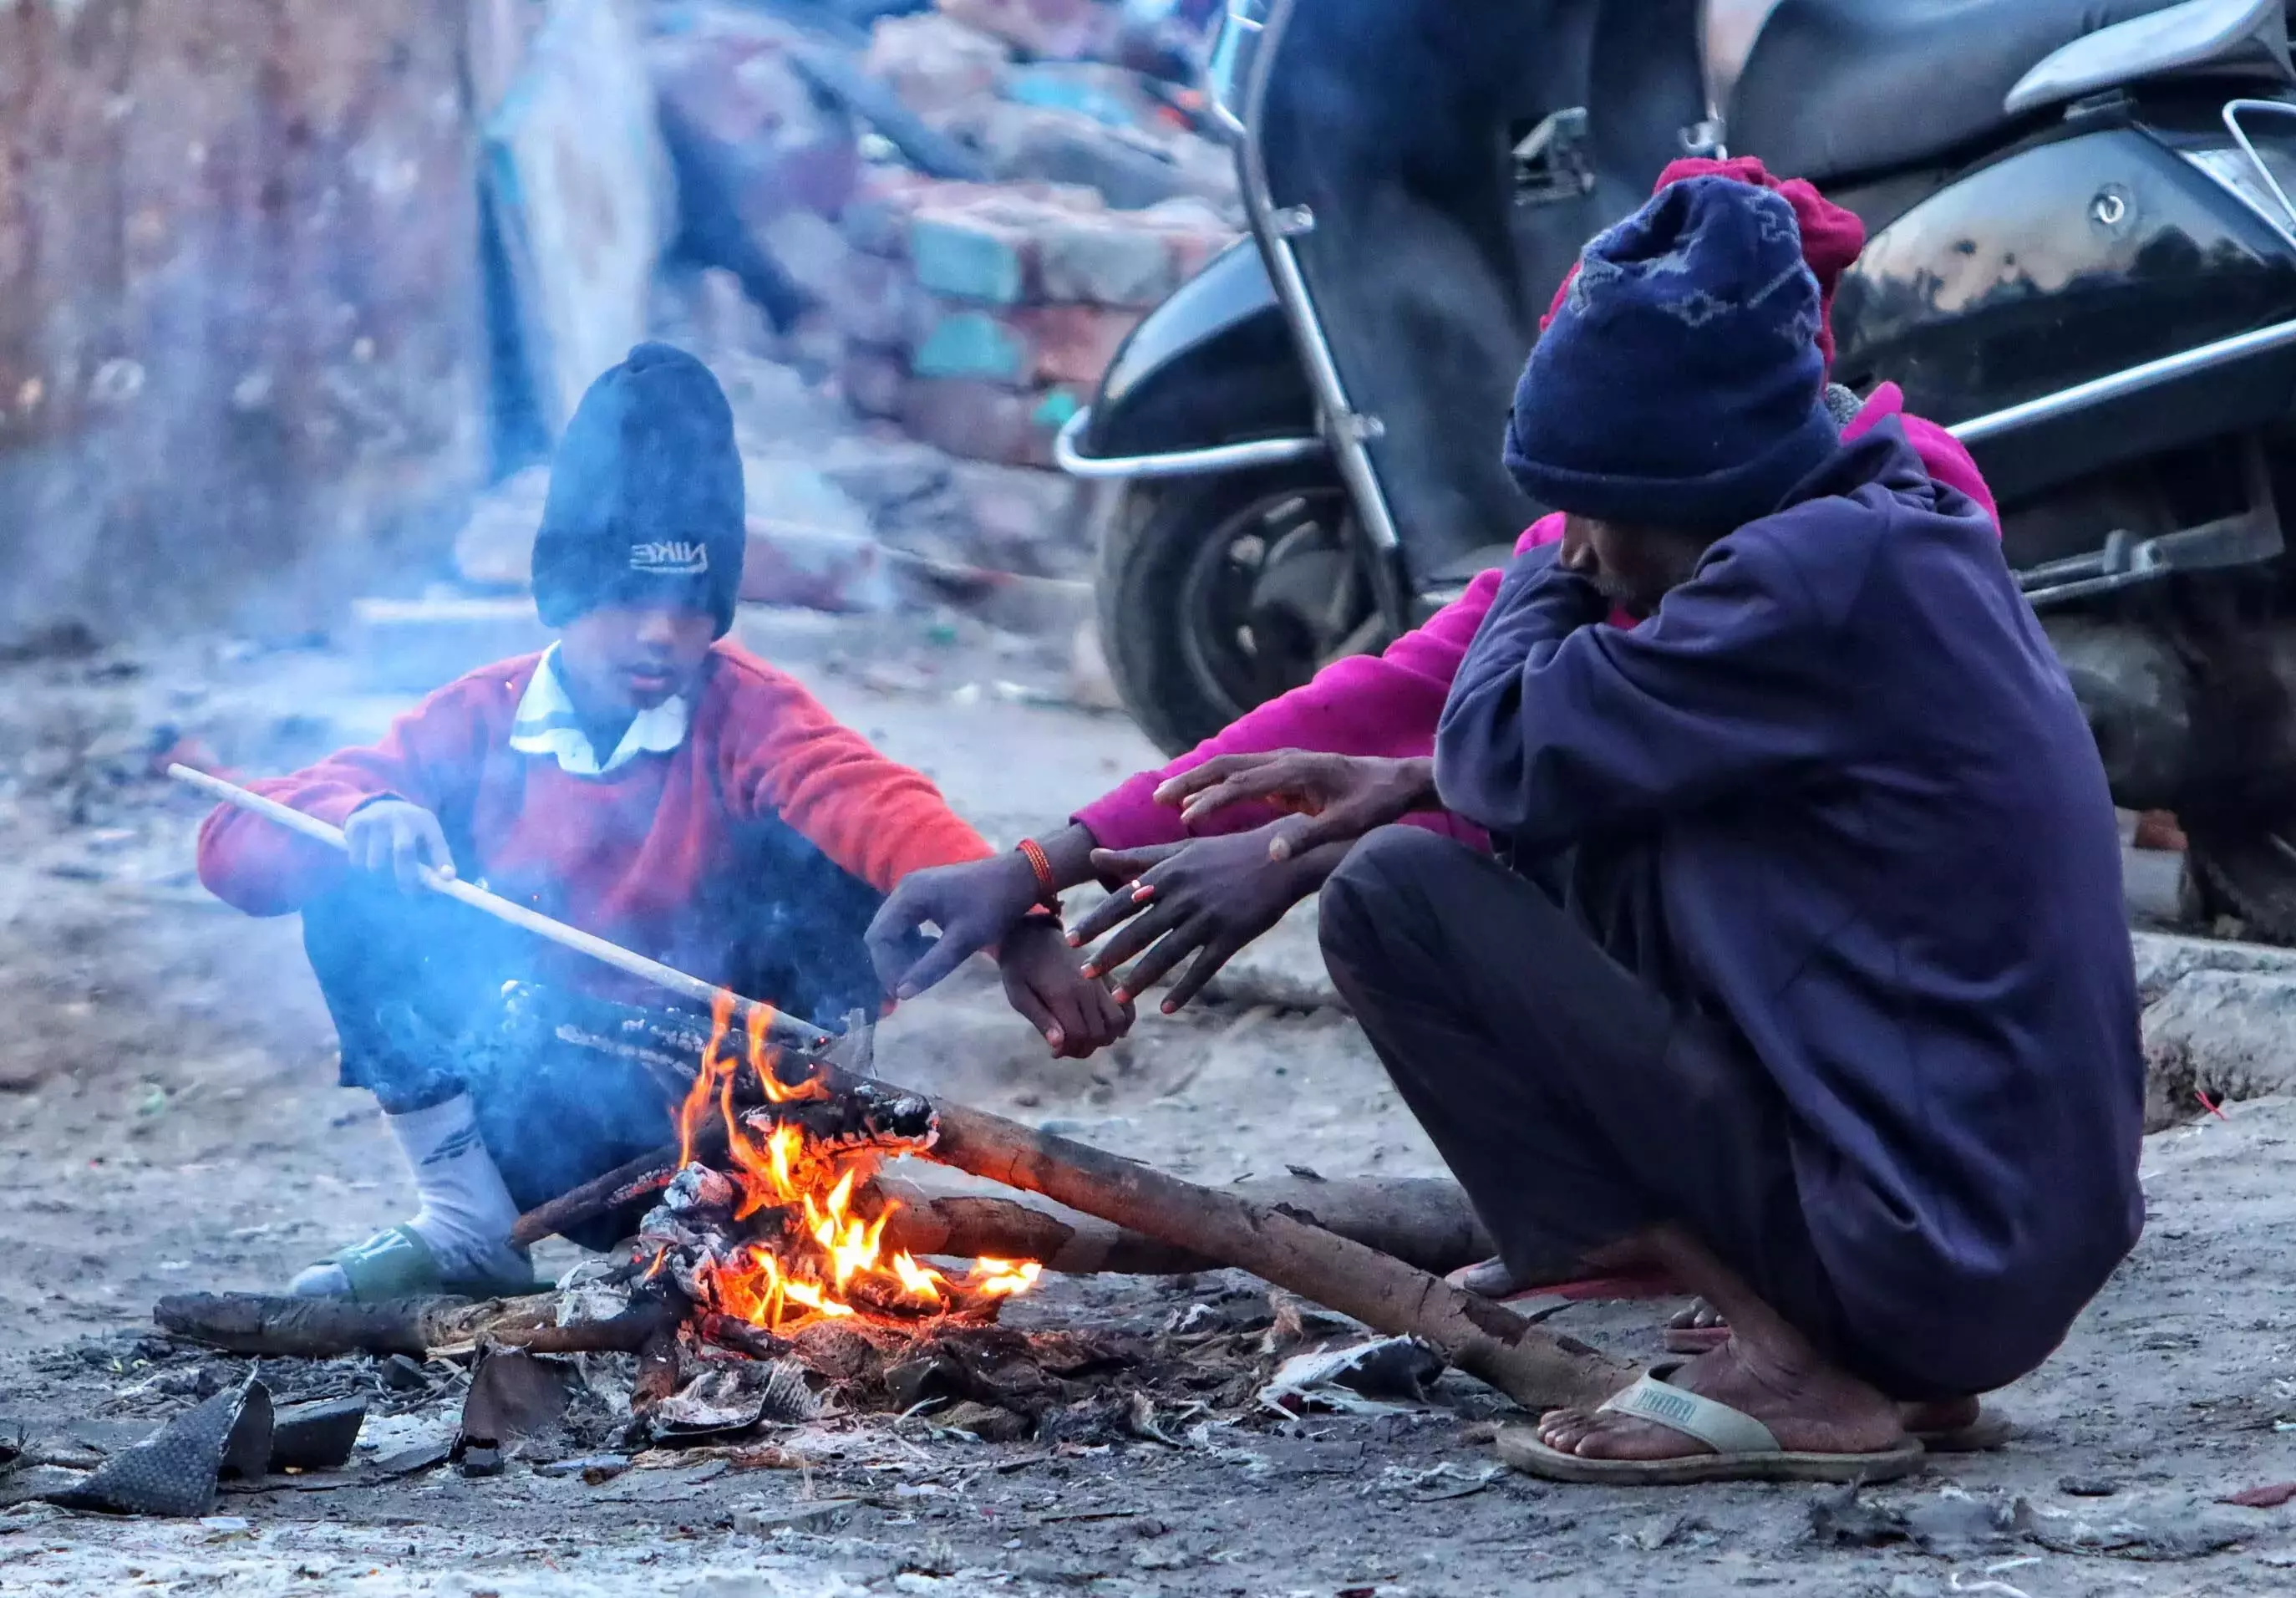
(1048, 886)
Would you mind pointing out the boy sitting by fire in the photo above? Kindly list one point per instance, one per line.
(645, 780)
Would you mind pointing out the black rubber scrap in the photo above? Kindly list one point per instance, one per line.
(175, 1471)
(315, 1437)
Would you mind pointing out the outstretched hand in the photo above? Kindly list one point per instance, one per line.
(1208, 897)
(974, 905)
(1334, 798)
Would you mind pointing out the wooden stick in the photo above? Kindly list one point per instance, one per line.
(782, 1030)
(1425, 1222)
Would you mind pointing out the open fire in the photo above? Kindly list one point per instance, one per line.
(791, 1231)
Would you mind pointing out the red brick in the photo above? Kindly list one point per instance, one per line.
(1073, 344)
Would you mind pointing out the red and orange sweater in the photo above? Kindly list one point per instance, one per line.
(657, 855)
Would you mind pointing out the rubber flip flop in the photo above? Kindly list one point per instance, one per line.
(397, 1263)
(1744, 1448)
(1988, 1432)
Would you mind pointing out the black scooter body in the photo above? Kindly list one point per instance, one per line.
(1977, 291)
(1214, 363)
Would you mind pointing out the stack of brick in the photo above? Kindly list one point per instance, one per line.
(981, 317)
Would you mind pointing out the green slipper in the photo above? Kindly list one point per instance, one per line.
(397, 1263)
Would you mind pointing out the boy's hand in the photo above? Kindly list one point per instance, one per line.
(1075, 1013)
(394, 837)
(1207, 896)
(974, 905)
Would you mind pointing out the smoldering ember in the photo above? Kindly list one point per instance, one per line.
(813, 797)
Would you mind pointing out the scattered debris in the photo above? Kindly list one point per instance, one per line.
(177, 1470)
(1377, 1376)
(2264, 1497)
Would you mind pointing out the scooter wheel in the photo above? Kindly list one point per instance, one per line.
(1216, 594)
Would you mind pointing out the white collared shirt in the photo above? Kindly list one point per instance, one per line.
(545, 724)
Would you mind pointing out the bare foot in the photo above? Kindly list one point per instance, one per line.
(1943, 1414)
(1492, 1278)
(1809, 1406)
(1495, 1279)
(1699, 1316)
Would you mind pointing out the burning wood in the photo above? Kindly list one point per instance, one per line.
(787, 1227)
(792, 1230)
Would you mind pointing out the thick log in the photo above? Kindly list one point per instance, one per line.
(1535, 1368)
(325, 1328)
(1425, 1222)
(630, 1333)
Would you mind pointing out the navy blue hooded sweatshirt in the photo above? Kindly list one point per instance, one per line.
(1887, 852)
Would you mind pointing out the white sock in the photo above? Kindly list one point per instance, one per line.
(466, 1212)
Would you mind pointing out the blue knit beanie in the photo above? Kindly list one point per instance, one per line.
(645, 501)
(1681, 383)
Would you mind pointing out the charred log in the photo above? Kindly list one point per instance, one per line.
(325, 1328)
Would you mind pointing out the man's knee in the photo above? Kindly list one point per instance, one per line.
(1384, 880)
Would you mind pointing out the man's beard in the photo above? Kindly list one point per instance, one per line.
(1622, 595)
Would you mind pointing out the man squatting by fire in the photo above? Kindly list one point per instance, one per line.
(643, 779)
(1797, 970)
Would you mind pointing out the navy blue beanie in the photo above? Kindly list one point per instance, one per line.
(1680, 385)
(646, 502)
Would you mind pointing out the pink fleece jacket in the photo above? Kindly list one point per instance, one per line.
(1388, 704)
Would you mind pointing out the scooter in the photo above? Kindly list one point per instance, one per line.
(2081, 257)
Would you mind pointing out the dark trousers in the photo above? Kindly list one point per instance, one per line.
(417, 987)
(1535, 1032)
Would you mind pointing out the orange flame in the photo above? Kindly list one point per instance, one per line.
(828, 1252)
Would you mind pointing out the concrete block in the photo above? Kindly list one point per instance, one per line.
(2163, 960)
(2229, 1035)
(1111, 259)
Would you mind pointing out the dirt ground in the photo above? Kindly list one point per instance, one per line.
(168, 1123)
